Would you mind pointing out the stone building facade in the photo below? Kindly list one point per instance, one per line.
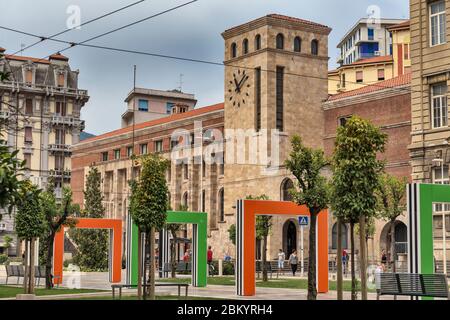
(40, 109)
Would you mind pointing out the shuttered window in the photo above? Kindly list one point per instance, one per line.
(279, 98)
(28, 134)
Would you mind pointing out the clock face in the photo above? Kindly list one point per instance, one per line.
(239, 88)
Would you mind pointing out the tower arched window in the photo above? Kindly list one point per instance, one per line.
(297, 44)
(233, 50)
(221, 206)
(280, 41)
(186, 200)
(245, 46)
(286, 186)
(258, 42)
(315, 47)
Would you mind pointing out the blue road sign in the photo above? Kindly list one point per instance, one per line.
(303, 220)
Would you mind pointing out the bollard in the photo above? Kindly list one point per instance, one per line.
(220, 267)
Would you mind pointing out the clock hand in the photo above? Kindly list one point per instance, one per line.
(244, 78)
(238, 89)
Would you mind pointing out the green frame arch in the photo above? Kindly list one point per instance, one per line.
(199, 222)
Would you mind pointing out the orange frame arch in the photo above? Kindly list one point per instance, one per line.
(115, 258)
(247, 210)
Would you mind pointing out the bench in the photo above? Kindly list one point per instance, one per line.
(14, 271)
(268, 268)
(128, 286)
(39, 274)
(181, 267)
(413, 285)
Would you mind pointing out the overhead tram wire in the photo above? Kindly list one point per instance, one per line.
(201, 61)
(81, 25)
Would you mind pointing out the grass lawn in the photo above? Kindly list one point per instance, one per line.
(10, 291)
(157, 298)
(272, 283)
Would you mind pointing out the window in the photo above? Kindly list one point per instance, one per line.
(28, 134)
(370, 34)
(129, 152)
(173, 144)
(245, 46)
(342, 121)
(27, 158)
(440, 176)
(221, 206)
(29, 77)
(334, 236)
(359, 76)
(61, 80)
(343, 80)
(258, 99)
(159, 146)
(280, 41)
(143, 105)
(406, 51)
(315, 47)
(104, 156)
(143, 148)
(117, 154)
(203, 206)
(380, 74)
(233, 50)
(186, 200)
(437, 23)
(279, 98)
(222, 165)
(439, 105)
(60, 109)
(60, 136)
(286, 186)
(29, 106)
(258, 42)
(186, 171)
(297, 44)
(203, 168)
(59, 163)
(169, 106)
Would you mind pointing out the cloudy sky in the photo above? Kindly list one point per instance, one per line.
(192, 31)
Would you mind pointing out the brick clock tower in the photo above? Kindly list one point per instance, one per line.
(276, 70)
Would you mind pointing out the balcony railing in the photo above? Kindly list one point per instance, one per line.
(62, 174)
(50, 90)
(67, 120)
(59, 147)
(4, 114)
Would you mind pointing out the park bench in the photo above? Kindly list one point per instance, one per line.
(413, 285)
(268, 268)
(128, 286)
(14, 271)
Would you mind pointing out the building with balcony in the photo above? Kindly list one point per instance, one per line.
(366, 39)
(150, 104)
(40, 109)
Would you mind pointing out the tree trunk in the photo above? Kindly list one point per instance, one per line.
(264, 260)
(49, 261)
(173, 263)
(26, 267)
(32, 269)
(139, 281)
(352, 260)
(393, 251)
(363, 256)
(312, 289)
(146, 245)
(152, 264)
(339, 260)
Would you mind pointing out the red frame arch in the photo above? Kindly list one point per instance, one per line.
(115, 258)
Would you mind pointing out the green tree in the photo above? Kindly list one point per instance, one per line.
(148, 208)
(232, 234)
(310, 189)
(29, 225)
(391, 205)
(56, 215)
(263, 229)
(11, 170)
(355, 181)
(92, 245)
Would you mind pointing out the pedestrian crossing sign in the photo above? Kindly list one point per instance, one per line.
(303, 220)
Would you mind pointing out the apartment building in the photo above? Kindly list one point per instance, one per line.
(40, 106)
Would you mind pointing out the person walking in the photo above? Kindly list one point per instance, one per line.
(281, 258)
(293, 261)
(209, 259)
(344, 260)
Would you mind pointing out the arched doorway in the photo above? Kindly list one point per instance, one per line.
(286, 186)
(289, 237)
(400, 240)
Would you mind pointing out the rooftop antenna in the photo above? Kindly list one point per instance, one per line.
(181, 82)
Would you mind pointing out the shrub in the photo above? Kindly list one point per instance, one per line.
(3, 258)
(228, 268)
(67, 262)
